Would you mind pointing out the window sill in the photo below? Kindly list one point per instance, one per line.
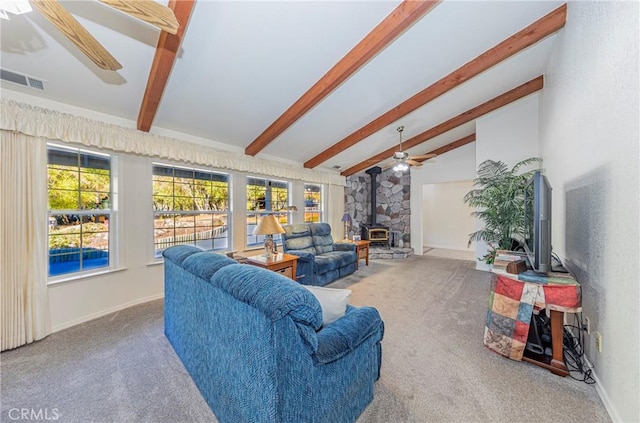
(79, 276)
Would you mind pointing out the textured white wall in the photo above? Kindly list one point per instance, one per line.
(79, 300)
(447, 219)
(589, 131)
(456, 165)
(509, 134)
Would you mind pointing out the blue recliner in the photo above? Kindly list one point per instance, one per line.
(321, 260)
(253, 342)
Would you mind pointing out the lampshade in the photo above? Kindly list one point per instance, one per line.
(269, 225)
(346, 217)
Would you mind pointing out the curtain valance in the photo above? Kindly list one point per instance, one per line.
(40, 122)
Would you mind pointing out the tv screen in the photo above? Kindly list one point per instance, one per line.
(537, 222)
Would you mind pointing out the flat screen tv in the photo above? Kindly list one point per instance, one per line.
(537, 222)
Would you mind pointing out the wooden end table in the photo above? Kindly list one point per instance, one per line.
(362, 251)
(282, 263)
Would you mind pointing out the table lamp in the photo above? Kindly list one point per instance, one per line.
(346, 218)
(268, 226)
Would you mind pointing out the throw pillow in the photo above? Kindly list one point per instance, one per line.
(333, 302)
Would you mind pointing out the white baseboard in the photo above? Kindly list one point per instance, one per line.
(599, 389)
(101, 313)
(608, 405)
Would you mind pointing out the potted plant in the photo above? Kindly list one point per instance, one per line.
(499, 202)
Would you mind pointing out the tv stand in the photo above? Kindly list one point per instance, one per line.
(554, 363)
(514, 297)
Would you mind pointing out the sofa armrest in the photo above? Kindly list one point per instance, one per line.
(344, 335)
(344, 246)
(304, 255)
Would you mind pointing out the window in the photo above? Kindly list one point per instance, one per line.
(313, 203)
(80, 209)
(265, 197)
(190, 206)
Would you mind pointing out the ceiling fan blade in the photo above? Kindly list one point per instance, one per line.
(414, 163)
(71, 28)
(423, 157)
(149, 11)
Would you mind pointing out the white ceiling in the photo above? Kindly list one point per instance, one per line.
(243, 63)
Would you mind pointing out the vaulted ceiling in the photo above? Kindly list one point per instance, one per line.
(321, 83)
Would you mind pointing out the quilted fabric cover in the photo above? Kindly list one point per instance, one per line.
(252, 342)
(512, 302)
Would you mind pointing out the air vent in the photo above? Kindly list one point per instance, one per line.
(21, 79)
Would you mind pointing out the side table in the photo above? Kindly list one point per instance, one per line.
(285, 264)
(362, 251)
(513, 299)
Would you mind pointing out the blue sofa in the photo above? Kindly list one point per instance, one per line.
(321, 260)
(253, 342)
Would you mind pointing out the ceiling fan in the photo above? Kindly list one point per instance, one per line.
(146, 10)
(401, 160)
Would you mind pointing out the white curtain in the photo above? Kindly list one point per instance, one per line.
(23, 237)
(336, 210)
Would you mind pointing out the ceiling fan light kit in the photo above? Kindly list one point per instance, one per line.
(401, 159)
(401, 167)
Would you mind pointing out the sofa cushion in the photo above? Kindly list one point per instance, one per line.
(179, 253)
(341, 258)
(322, 238)
(324, 263)
(271, 293)
(332, 300)
(298, 237)
(205, 264)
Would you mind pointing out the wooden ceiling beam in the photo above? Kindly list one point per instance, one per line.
(528, 36)
(165, 57)
(495, 103)
(402, 17)
(451, 146)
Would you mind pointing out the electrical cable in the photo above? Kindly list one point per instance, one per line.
(573, 352)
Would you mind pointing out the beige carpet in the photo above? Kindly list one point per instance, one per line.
(452, 254)
(435, 367)
(120, 368)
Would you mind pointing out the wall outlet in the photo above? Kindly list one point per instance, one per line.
(587, 325)
(598, 342)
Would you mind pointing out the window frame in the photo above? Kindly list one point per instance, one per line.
(320, 212)
(111, 211)
(228, 213)
(283, 214)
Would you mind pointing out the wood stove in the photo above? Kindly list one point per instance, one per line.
(377, 234)
(374, 232)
